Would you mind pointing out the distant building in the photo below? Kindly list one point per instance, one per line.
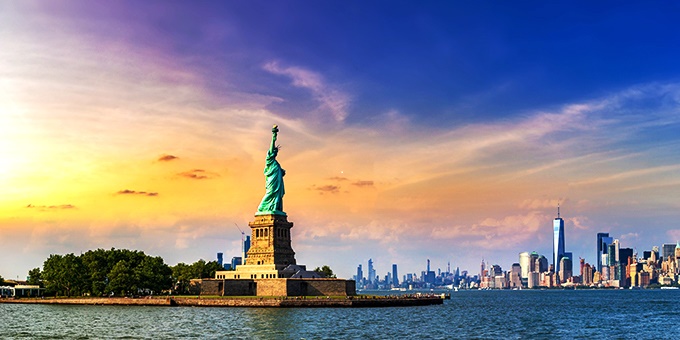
(603, 240)
(558, 240)
(667, 251)
(565, 271)
(360, 275)
(220, 259)
(525, 264)
(236, 261)
(371, 272)
(395, 277)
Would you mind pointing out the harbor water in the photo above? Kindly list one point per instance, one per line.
(562, 314)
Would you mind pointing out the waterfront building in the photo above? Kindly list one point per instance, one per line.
(558, 240)
(515, 276)
(565, 272)
(587, 275)
(533, 280)
(395, 277)
(603, 241)
(525, 264)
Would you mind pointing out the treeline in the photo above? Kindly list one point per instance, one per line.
(117, 272)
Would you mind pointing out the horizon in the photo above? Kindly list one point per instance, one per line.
(448, 132)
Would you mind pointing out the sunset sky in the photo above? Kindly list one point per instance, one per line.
(444, 130)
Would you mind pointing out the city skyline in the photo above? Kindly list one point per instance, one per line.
(410, 131)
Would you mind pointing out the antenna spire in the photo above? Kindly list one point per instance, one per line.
(558, 210)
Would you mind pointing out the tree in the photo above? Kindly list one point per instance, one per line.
(35, 277)
(325, 271)
(2, 281)
(120, 279)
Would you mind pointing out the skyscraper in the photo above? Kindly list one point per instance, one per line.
(371, 271)
(245, 247)
(360, 274)
(603, 240)
(667, 251)
(220, 259)
(558, 240)
(395, 277)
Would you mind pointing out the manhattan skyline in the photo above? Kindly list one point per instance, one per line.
(446, 131)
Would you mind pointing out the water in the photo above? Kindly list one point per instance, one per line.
(469, 314)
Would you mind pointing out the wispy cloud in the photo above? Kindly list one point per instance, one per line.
(329, 97)
(134, 192)
(51, 207)
(333, 189)
(198, 174)
(363, 183)
(167, 158)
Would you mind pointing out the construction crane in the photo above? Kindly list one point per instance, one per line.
(243, 244)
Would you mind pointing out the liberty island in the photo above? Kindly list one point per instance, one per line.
(270, 271)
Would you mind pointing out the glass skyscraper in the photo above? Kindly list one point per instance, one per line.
(603, 240)
(558, 241)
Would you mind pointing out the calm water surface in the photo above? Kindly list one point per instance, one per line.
(473, 314)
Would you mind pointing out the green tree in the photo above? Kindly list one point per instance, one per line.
(64, 275)
(153, 275)
(35, 277)
(120, 279)
(181, 274)
(325, 271)
(98, 268)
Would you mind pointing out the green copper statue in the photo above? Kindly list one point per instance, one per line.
(272, 202)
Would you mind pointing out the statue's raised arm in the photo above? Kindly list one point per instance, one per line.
(272, 202)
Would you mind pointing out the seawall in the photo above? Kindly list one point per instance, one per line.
(276, 302)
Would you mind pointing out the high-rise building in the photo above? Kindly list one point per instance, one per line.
(245, 246)
(395, 277)
(541, 264)
(220, 259)
(371, 271)
(525, 264)
(667, 251)
(603, 240)
(558, 240)
(565, 270)
(360, 274)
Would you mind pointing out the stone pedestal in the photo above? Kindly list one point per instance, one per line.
(270, 242)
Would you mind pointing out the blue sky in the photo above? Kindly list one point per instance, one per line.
(442, 130)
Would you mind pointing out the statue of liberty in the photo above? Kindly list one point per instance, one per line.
(272, 202)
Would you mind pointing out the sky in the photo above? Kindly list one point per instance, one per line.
(441, 130)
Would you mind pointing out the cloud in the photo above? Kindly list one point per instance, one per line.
(338, 179)
(133, 192)
(674, 234)
(533, 204)
(197, 174)
(51, 207)
(333, 189)
(167, 158)
(363, 183)
(330, 98)
(494, 233)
